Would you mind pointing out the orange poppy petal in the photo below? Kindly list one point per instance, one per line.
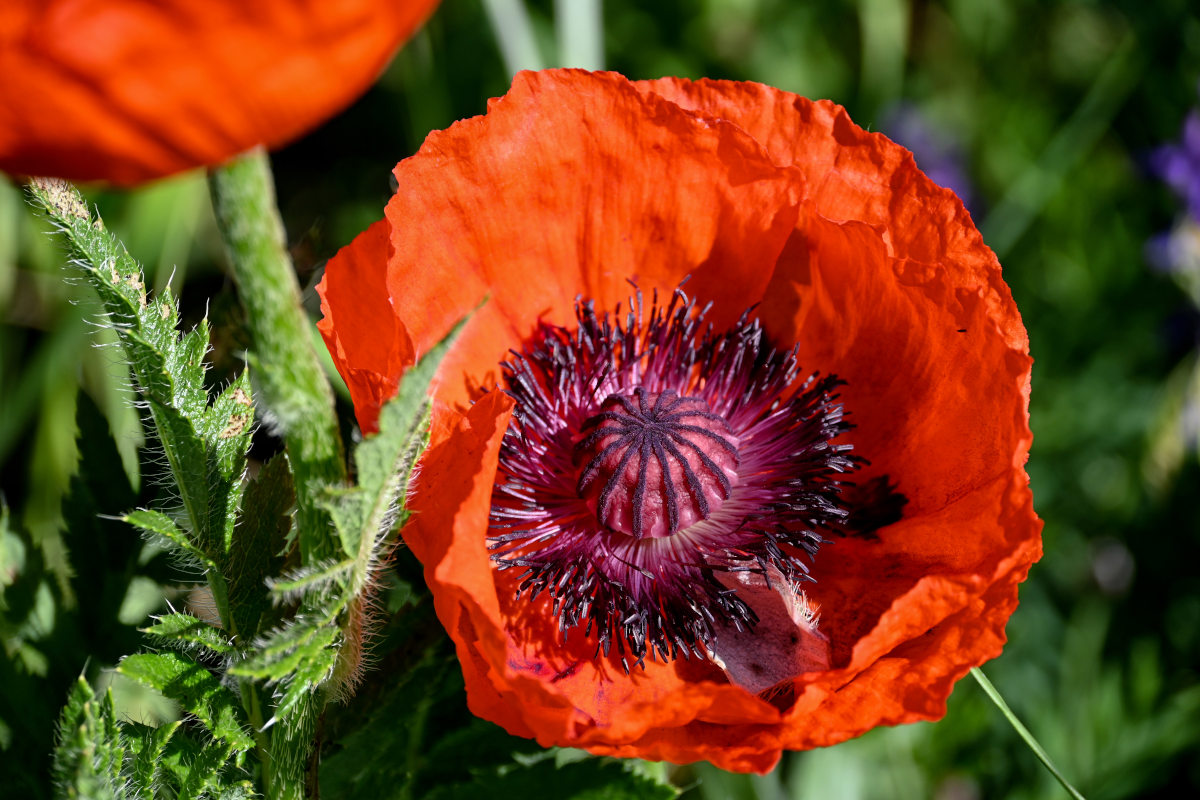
(886, 283)
(369, 344)
(130, 91)
(557, 193)
(853, 253)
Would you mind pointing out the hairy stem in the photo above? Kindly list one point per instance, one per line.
(293, 384)
(294, 389)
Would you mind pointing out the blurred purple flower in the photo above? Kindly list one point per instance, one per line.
(1179, 164)
(1177, 249)
(938, 153)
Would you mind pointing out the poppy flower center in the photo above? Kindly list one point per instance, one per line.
(656, 463)
(656, 472)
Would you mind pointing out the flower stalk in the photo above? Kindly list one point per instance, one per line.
(293, 386)
(1039, 751)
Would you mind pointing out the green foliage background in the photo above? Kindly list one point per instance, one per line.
(1055, 105)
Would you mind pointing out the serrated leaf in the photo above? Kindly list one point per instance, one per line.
(366, 513)
(197, 691)
(159, 524)
(310, 674)
(201, 774)
(287, 650)
(90, 751)
(242, 790)
(326, 577)
(75, 711)
(204, 446)
(110, 744)
(186, 453)
(148, 745)
(189, 630)
(228, 423)
(180, 752)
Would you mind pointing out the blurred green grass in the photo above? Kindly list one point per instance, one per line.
(1055, 105)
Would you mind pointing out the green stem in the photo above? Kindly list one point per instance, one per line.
(286, 365)
(295, 389)
(252, 703)
(1023, 732)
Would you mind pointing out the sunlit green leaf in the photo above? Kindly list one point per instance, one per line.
(91, 750)
(192, 631)
(147, 745)
(159, 524)
(197, 691)
(285, 651)
(366, 514)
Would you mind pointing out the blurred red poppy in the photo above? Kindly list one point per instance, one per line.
(126, 91)
(575, 184)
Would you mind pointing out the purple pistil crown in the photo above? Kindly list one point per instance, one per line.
(646, 458)
(657, 463)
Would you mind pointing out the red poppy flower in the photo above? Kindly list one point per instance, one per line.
(630, 545)
(128, 91)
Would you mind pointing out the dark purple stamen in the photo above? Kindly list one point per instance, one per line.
(646, 457)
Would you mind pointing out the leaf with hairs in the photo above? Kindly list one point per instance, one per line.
(91, 750)
(205, 445)
(299, 657)
(312, 671)
(159, 524)
(197, 691)
(366, 514)
(191, 632)
(286, 650)
(201, 774)
(326, 578)
(147, 745)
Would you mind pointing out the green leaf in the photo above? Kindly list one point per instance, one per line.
(328, 578)
(205, 445)
(147, 745)
(254, 555)
(202, 770)
(180, 752)
(185, 452)
(201, 775)
(365, 515)
(159, 524)
(286, 650)
(191, 631)
(303, 656)
(197, 691)
(91, 750)
(300, 658)
(312, 671)
(226, 427)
